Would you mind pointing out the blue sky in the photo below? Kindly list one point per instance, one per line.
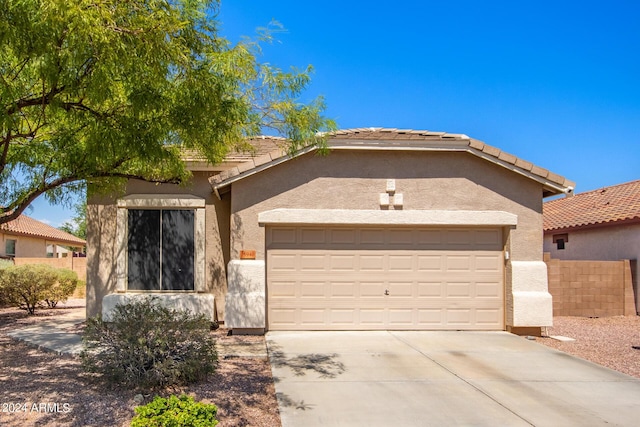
(556, 83)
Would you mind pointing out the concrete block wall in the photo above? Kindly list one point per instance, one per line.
(590, 288)
(77, 264)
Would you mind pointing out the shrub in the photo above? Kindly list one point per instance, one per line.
(27, 286)
(145, 345)
(175, 411)
(5, 263)
(63, 288)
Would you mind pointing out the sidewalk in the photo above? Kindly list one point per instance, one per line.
(54, 333)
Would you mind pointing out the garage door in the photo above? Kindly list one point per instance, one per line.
(324, 278)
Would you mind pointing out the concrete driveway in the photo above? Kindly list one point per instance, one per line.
(442, 379)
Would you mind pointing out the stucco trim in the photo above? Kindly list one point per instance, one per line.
(161, 201)
(156, 201)
(375, 217)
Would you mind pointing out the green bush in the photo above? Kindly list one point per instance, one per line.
(145, 345)
(63, 288)
(5, 263)
(28, 286)
(175, 411)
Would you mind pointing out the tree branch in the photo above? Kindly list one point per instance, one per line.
(44, 99)
(17, 207)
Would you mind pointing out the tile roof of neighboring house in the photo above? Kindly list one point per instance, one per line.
(390, 138)
(26, 226)
(605, 206)
(255, 147)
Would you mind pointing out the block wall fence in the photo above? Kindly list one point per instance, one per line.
(591, 288)
(77, 264)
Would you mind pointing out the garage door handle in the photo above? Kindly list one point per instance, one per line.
(386, 291)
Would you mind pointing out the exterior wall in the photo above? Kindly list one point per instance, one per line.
(76, 264)
(355, 179)
(26, 246)
(591, 288)
(102, 245)
(428, 181)
(607, 243)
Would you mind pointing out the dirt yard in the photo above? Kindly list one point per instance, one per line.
(39, 388)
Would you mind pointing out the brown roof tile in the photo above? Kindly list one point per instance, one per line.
(275, 147)
(604, 206)
(27, 226)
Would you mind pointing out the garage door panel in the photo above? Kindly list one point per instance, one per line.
(313, 290)
(430, 290)
(370, 262)
(336, 278)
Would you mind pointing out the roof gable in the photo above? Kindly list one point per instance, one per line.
(606, 206)
(27, 226)
(398, 139)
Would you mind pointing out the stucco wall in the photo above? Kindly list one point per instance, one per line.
(354, 180)
(609, 243)
(101, 240)
(427, 181)
(25, 246)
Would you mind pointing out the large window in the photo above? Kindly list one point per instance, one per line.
(161, 243)
(160, 250)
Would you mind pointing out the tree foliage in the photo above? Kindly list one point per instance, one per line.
(78, 224)
(97, 91)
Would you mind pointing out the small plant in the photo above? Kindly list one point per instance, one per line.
(27, 286)
(145, 345)
(175, 411)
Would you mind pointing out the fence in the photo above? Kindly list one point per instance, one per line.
(591, 288)
(77, 264)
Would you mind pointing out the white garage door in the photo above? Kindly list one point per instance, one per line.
(337, 278)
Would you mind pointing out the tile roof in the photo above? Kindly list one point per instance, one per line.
(26, 226)
(254, 147)
(605, 206)
(390, 138)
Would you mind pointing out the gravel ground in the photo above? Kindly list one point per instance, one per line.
(242, 387)
(613, 342)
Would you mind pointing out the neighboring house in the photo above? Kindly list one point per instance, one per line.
(392, 229)
(25, 237)
(601, 225)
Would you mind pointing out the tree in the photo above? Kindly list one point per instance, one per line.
(78, 224)
(98, 91)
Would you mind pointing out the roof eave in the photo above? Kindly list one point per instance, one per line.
(552, 184)
(581, 227)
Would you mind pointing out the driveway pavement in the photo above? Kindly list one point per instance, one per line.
(442, 379)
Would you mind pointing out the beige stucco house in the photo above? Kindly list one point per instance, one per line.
(391, 230)
(602, 224)
(25, 237)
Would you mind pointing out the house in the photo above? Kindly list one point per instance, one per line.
(25, 237)
(603, 224)
(393, 229)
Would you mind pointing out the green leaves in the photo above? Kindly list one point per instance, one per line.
(102, 91)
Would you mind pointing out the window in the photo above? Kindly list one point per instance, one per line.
(559, 240)
(10, 247)
(160, 250)
(161, 243)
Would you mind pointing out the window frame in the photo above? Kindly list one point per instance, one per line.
(15, 245)
(160, 202)
(560, 240)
